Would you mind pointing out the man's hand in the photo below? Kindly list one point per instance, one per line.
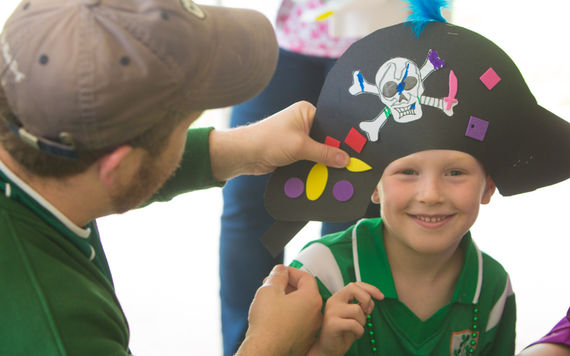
(344, 321)
(285, 315)
(277, 141)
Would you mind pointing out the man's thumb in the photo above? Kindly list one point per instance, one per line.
(327, 155)
(279, 277)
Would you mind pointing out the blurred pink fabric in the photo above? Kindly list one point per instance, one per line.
(308, 38)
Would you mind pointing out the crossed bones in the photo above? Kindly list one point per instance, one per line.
(399, 84)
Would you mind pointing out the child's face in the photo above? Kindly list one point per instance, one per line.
(430, 199)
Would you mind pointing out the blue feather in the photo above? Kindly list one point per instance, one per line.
(425, 11)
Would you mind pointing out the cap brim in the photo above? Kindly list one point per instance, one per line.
(243, 61)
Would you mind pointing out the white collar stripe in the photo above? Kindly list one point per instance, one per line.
(480, 275)
(355, 252)
(84, 233)
(497, 311)
(92, 253)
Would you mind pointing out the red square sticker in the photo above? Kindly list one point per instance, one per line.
(355, 140)
(332, 142)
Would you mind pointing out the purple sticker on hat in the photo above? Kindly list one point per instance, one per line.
(343, 190)
(490, 78)
(477, 128)
(435, 60)
(294, 188)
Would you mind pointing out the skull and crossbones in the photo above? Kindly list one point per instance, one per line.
(399, 84)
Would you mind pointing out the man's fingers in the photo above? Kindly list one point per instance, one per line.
(279, 277)
(289, 279)
(307, 112)
(301, 280)
(290, 289)
(304, 285)
(315, 151)
(327, 155)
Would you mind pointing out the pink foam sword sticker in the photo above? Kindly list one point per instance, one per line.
(450, 99)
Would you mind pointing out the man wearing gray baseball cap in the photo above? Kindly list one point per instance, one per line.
(96, 98)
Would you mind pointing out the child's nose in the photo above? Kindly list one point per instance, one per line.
(430, 192)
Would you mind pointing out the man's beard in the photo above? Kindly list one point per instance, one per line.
(152, 174)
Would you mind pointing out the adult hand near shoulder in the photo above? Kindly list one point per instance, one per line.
(277, 141)
(285, 315)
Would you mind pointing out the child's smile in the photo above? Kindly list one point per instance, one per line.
(432, 221)
(430, 199)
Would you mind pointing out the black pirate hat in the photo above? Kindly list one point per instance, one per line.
(392, 94)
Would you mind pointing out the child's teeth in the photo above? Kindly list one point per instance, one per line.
(428, 219)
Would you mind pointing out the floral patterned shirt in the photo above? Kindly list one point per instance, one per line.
(308, 38)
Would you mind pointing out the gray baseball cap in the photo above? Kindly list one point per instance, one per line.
(100, 72)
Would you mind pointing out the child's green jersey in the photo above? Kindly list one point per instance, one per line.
(479, 320)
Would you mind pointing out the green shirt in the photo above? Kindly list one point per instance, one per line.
(56, 291)
(483, 292)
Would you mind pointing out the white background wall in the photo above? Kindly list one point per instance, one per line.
(164, 257)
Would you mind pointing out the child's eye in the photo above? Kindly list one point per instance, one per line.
(408, 172)
(455, 173)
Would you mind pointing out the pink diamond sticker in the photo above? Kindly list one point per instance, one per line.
(490, 78)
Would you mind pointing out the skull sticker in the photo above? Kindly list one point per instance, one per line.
(400, 86)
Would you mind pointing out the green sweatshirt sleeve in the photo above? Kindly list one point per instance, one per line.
(194, 172)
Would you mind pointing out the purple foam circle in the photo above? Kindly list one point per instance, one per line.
(343, 190)
(294, 188)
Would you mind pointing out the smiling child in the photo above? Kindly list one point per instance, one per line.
(435, 118)
(438, 298)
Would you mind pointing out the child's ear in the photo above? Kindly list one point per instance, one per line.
(490, 188)
(376, 196)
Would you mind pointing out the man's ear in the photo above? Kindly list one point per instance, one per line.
(376, 196)
(490, 188)
(110, 164)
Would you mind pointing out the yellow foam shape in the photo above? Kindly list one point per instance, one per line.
(317, 181)
(357, 165)
(325, 15)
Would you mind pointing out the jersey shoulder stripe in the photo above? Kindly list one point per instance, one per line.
(497, 311)
(318, 260)
(494, 274)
